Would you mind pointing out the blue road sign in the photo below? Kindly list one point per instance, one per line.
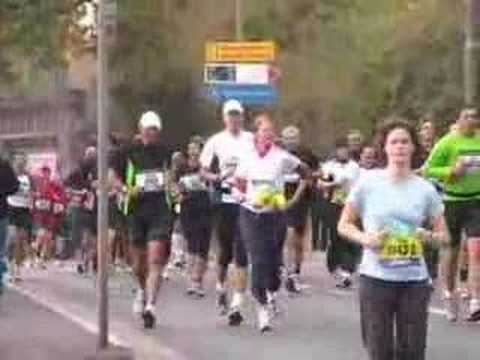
(246, 94)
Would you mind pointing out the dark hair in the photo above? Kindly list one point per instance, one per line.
(384, 131)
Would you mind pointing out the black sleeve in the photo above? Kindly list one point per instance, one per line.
(118, 161)
(8, 180)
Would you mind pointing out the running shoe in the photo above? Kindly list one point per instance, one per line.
(149, 319)
(264, 319)
(451, 307)
(292, 285)
(139, 302)
(195, 289)
(345, 279)
(272, 304)
(235, 317)
(222, 301)
(474, 310)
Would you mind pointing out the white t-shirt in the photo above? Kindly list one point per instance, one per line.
(345, 175)
(230, 150)
(269, 170)
(21, 198)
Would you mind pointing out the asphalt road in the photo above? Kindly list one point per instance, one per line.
(324, 323)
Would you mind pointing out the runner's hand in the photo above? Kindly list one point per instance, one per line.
(374, 239)
(459, 169)
(424, 235)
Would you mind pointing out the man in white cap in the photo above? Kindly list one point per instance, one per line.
(301, 190)
(149, 215)
(228, 148)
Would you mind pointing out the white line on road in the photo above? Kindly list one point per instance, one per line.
(58, 309)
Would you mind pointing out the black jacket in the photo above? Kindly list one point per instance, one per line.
(8, 186)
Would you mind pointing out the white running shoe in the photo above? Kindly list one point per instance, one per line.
(263, 319)
(451, 306)
(139, 302)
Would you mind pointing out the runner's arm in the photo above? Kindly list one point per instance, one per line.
(438, 165)
(305, 182)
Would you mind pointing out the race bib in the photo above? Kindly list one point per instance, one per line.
(472, 162)
(89, 202)
(401, 251)
(58, 208)
(292, 178)
(150, 181)
(42, 205)
(193, 182)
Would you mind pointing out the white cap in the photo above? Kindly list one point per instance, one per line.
(232, 105)
(150, 119)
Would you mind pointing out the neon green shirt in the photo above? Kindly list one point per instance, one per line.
(443, 158)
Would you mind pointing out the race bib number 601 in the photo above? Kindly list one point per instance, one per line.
(400, 251)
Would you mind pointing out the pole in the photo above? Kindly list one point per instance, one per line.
(472, 53)
(103, 129)
(239, 20)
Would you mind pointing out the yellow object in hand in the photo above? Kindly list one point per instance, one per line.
(279, 201)
(262, 197)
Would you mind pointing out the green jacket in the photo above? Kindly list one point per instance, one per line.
(443, 159)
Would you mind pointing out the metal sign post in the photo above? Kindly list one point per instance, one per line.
(472, 53)
(103, 129)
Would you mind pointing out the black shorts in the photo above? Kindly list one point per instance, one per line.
(21, 218)
(88, 221)
(143, 228)
(297, 216)
(116, 219)
(462, 216)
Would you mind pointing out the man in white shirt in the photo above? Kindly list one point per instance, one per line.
(20, 217)
(229, 147)
(341, 174)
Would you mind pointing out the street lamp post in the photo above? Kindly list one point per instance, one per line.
(472, 53)
(239, 20)
(103, 129)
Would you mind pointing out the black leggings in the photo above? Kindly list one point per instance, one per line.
(197, 229)
(263, 235)
(394, 319)
(230, 245)
(342, 253)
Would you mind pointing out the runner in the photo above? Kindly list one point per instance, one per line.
(117, 221)
(355, 143)
(82, 189)
(340, 174)
(427, 136)
(393, 204)
(150, 218)
(196, 219)
(368, 159)
(297, 216)
(261, 179)
(455, 161)
(177, 261)
(8, 186)
(49, 205)
(21, 218)
(229, 147)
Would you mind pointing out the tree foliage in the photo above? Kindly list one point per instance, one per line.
(345, 63)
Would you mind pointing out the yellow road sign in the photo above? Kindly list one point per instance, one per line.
(241, 51)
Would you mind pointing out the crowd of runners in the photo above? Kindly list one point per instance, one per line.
(399, 215)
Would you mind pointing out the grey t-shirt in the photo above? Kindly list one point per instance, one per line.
(398, 207)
